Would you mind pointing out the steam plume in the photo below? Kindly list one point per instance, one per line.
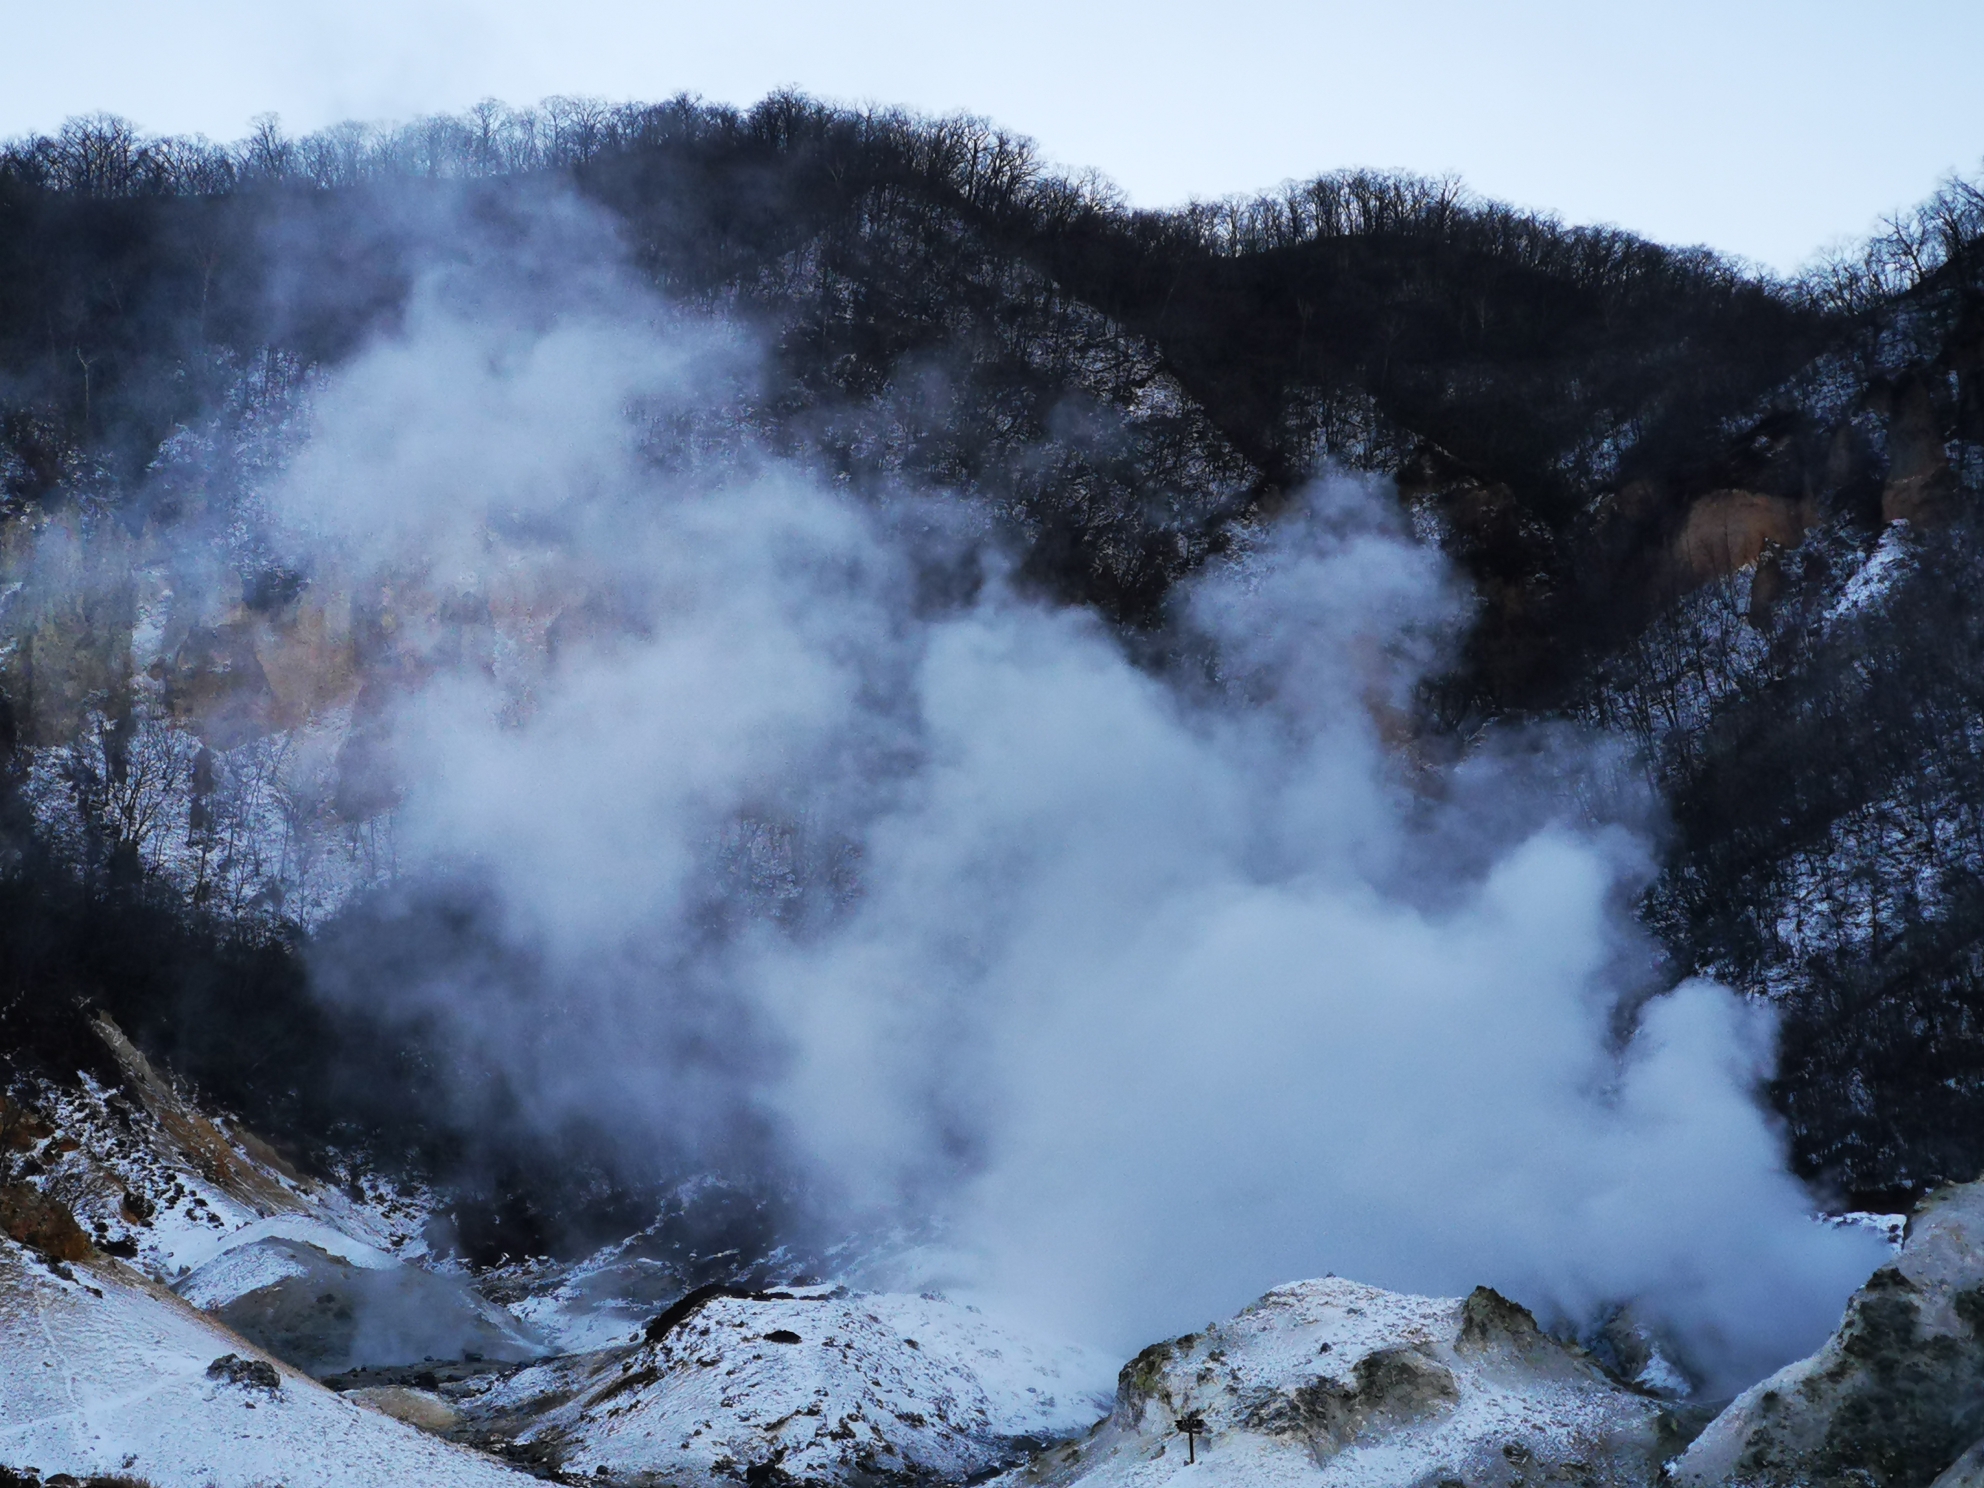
(1153, 989)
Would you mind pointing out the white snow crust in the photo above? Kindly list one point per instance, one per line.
(106, 1373)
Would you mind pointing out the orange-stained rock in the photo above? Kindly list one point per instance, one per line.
(215, 685)
(1920, 488)
(42, 1223)
(308, 656)
(1729, 530)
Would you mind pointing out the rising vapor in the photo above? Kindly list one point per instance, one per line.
(796, 832)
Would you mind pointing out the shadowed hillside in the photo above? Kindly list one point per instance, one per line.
(1730, 519)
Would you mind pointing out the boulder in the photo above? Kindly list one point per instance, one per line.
(250, 1374)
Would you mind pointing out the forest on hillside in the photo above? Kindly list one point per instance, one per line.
(1733, 520)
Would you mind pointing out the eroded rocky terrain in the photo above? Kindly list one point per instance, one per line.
(180, 1306)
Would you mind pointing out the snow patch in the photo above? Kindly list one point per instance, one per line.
(1871, 582)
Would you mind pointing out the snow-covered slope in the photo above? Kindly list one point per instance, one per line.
(172, 1188)
(109, 1373)
(326, 1279)
(819, 1383)
(1330, 1384)
(111, 1365)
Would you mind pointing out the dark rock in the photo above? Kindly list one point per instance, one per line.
(685, 1307)
(1389, 1389)
(691, 1302)
(1488, 1319)
(20, 1129)
(256, 1374)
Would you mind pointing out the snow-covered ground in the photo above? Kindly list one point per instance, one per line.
(115, 1368)
(109, 1373)
(118, 1368)
(567, 1367)
(821, 1383)
(231, 1252)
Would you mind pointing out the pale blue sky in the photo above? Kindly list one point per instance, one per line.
(1763, 127)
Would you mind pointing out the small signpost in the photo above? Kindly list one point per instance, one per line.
(1194, 1427)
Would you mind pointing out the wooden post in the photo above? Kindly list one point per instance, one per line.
(1193, 1425)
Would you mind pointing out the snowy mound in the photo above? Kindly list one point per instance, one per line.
(821, 1385)
(1333, 1383)
(107, 1374)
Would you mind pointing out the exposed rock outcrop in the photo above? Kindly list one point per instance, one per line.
(41, 1223)
(221, 1162)
(1729, 530)
(1894, 1397)
(1921, 488)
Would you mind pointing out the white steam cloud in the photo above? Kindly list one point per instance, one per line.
(1153, 993)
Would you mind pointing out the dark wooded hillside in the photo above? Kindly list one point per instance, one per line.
(1665, 475)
